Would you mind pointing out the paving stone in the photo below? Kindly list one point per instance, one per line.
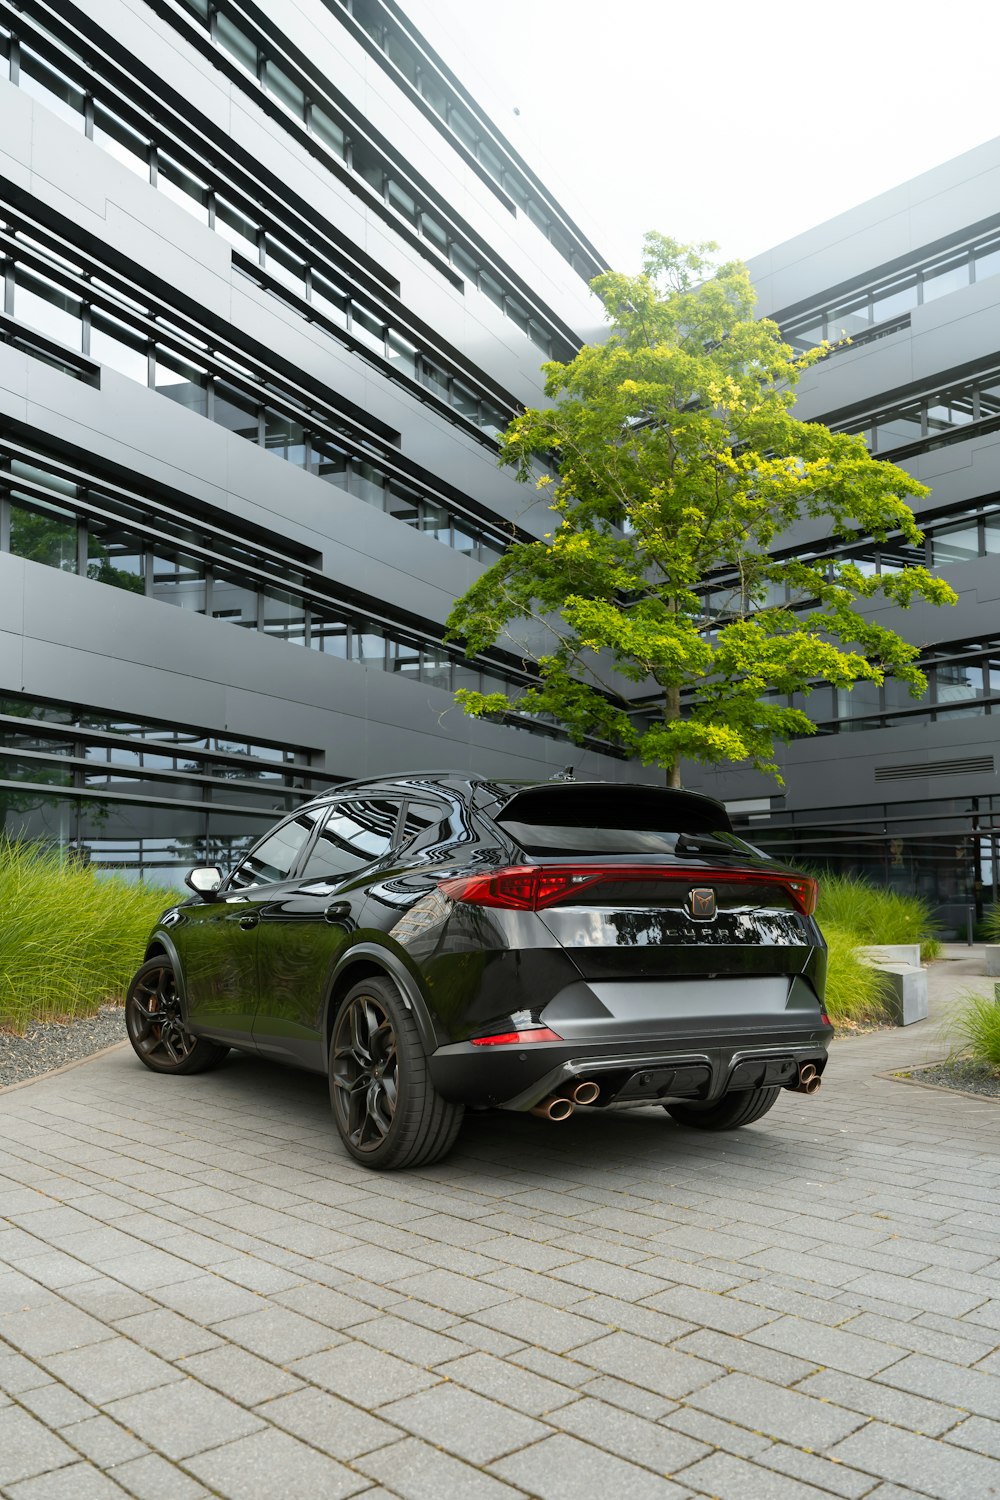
(27, 1447)
(727, 1478)
(873, 1400)
(104, 1442)
(563, 1468)
(744, 1356)
(709, 1310)
(555, 1367)
(922, 1339)
(184, 1420)
(335, 1426)
(114, 1368)
(18, 1374)
(664, 1371)
(815, 1472)
(166, 1333)
(507, 1382)
(78, 1481)
(152, 1478)
(324, 1304)
(535, 1323)
(239, 1374)
(979, 1434)
(971, 1389)
(108, 1300)
(849, 1352)
(937, 1469)
(278, 1334)
(456, 1294)
(635, 1438)
(362, 1374)
(54, 1405)
(208, 1299)
(416, 1471)
(906, 1291)
(464, 1423)
(636, 1318)
(56, 1329)
(781, 1414)
(272, 1465)
(408, 1340)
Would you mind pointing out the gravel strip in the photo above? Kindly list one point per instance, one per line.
(53, 1044)
(970, 1077)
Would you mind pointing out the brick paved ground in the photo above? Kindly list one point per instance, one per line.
(200, 1294)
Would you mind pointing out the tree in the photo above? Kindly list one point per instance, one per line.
(676, 473)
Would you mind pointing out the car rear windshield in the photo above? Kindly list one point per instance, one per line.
(581, 820)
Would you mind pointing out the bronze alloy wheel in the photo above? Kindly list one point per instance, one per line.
(156, 1026)
(364, 1073)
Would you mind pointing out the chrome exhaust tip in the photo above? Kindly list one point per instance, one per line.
(585, 1091)
(555, 1107)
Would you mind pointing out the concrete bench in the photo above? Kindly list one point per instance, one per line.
(993, 959)
(904, 981)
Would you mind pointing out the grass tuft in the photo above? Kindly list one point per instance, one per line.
(991, 924)
(876, 915)
(853, 988)
(69, 941)
(976, 1029)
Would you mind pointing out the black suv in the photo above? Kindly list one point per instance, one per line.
(437, 940)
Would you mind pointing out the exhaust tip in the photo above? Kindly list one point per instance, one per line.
(585, 1092)
(555, 1107)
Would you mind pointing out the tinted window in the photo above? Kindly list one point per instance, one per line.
(599, 820)
(275, 857)
(426, 823)
(355, 834)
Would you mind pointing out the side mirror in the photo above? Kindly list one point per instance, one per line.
(204, 881)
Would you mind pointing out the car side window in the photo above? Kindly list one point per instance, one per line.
(275, 858)
(426, 823)
(354, 835)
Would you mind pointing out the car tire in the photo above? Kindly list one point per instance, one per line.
(741, 1107)
(386, 1109)
(156, 1027)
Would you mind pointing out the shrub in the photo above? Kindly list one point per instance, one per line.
(69, 940)
(873, 914)
(853, 988)
(991, 924)
(976, 1027)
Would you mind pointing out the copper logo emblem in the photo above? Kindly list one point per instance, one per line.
(702, 903)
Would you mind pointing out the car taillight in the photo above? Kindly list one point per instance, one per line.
(516, 1038)
(532, 887)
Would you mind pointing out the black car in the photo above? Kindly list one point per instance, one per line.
(439, 941)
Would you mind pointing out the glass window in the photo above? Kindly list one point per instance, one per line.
(402, 354)
(288, 268)
(398, 52)
(465, 263)
(275, 858)
(284, 616)
(116, 556)
(116, 344)
(466, 676)
(284, 437)
(236, 227)
(464, 400)
(326, 128)
(433, 92)
(121, 141)
(52, 88)
(240, 47)
(946, 277)
(989, 400)
(330, 463)
(433, 230)
(404, 504)
(43, 305)
(232, 600)
(179, 579)
(368, 645)
(46, 477)
(355, 834)
(992, 534)
(517, 312)
(897, 697)
(465, 539)
(903, 425)
(804, 338)
(491, 288)
(234, 410)
(367, 482)
(436, 667)
(426, 823)
(492, 419)
(987, 258)
(183, 187)
(954, 544)
(43, 533)
(463, 126)
(404, 659)
(369, 328)
(958, 682)
(181, 382)
(328, 633)
(850, 318)
(950, 409)
(892, 301)
(368, 164)
(434, 376)
(398, 198)
(284, 89)
(857, 703)
(330, 299)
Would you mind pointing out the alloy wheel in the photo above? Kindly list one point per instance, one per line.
(365, 1072)
(154, 1018)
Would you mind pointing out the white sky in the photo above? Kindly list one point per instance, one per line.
(743, 121)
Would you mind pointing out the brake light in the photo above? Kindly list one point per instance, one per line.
(532, 887)
(516, 1038)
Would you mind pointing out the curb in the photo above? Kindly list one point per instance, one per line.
(66, 1067)
(940, 1088)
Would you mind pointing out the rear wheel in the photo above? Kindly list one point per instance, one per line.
(727, 1113)
(386, 1108)
(155, 1026)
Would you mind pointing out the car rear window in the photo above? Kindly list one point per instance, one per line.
(581, 820)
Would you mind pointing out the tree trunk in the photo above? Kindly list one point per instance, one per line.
(671, 711)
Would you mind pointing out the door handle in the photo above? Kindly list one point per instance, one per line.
(337, 911)
(248, 921)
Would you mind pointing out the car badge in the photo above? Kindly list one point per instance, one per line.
(702, 900)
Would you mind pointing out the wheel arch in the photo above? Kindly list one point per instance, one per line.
(369, 960)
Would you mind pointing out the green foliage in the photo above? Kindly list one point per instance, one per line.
(680, 467)
(991, 924)
(874, 914)
(69, 941)
(976, 1027)
(853, 988)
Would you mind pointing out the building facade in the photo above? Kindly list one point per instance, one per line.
(272, 285)
(903, 791)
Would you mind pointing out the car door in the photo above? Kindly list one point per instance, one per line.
(217, 938)
(306, 923)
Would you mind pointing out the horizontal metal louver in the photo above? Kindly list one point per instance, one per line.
(965, 767)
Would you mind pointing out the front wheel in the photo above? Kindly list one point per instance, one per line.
(386, 1108)
(156, 1029)
(728, 1113)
